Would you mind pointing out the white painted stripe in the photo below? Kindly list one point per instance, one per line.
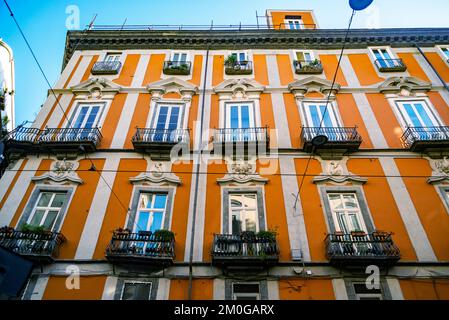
(109, 288)
(68, 70)
(200, 214)
(163, 289)
(373, 127)
(206, 123)
(219, 289)
(139, 75)
(8, 177)
(80, 71)
(297, 231)
(44, 111)
(273, 71)
(57, 114)
(339, 289)
(273, 290)
(395, 289)
(415, 230)
(348, 72)
(39, 288)
(18, 191)
(427, 69)
(124, 122)
(280, 119)
(94, 221)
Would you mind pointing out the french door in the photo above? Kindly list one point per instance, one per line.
(417, 114)
(240, 122)
(86, 117)
(384, 58)
(168, 120)
(243, 213)
(322, 120)
(179, 59)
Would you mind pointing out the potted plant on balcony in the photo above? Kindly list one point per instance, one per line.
(164, 235)
(120, 232)
(358, 233)
(267, 235)
(231, 62)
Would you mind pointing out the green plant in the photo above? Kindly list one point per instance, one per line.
(164, 235)
(28, 228)
(231, 60)
(267, 235)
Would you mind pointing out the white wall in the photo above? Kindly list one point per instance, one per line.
(7, 81)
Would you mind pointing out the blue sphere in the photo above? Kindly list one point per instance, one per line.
(360, 4)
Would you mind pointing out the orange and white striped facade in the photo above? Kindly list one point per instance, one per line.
(382, 186)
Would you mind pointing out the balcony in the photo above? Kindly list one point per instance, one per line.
(239, 68)
(361, 249)
(308, 67)
(158, 143)
(244, 249)
(390, 65)
(22, 141)
(106, 68)
(38, 246)
(425, 139)
(180, 68)
(144, 247)
(241, 141)
(70, 140)
(340, 140)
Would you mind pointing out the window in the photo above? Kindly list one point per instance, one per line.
(136, 291)
(112, 57)
(179, 58)
(239, 116)
(306, 56)
(346, 212)
(150, 212)
(384, 58)
(446, 52)
(47, 209)
(417, 114)
(243, 211)
(167, 121)
(245, 291)
(86, 116)
(240, 56)
(363, 293)
(314, 113)
(293, 23)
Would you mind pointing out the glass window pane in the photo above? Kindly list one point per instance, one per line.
(173, 122)
(146, 200)
(355, 222)
(234, 117)
(335, 201)
(343, 224)
(92, 117)
(424, 115)
(162, 119)
(44, 199)
(159, 202)
(58, 200)
(176, 57)
(236, 223)
(235, 203)
(412, 115)
(142, 221)
(242, 56)
(245, 116)
(81, 116)
(350, 201)
(37, 218)
(136, 291)
(327, 122)
(156, 221)
(249, 201)
(50, 219)
(300, 56)
(250, 221)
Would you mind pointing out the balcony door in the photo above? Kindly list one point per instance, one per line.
(243, 212)
(168, 120)
(86, 117)
(318, 117)
(417, 114)
(384, 58)
(150, 212)
(346, 212)
(239, 119)
(179, 58)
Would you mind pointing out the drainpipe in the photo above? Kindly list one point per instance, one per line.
(197, 158)
(433, 68)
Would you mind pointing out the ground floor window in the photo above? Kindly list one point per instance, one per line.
(245, 291)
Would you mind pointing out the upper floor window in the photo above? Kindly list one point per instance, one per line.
(445, 52)
(386, 61)
(306, 56)
(346, 212)
(240, 115)
(243, 212)
(294, 22)
(47, 209)
(417, 114)
(179, 57)
(112, 57)
(151, 211)
(86, 116)
(167, 120)
(245, 291)
(136, 291)
(317, 115)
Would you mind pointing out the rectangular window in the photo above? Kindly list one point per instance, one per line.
(385, 58)
(346, 212)
(317, 115)
(168, 120)
(245, 291)
(417, 114)
(239, 116)
(240, 56)
(293, 23)
(47, 209)
(363, 293)
(86, 116)
(243, 212)
(112, 57)
(136, 291)
(306, 56)
(150, 212)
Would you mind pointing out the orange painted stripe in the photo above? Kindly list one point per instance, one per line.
(382, 204)
(413, 66)
(330, 63)
(115, 216)
(202, 289)
(317, 289)
(285, 69)
(88, 73)
(261, 69)
(154, 69)
(91, 288)
(13, 183)
(293, 119)
(73, 71)
(140, 117)
(172, 95)
(52, 109)
(351, 117)
(441, 106)
(67, 112)
(425, 289)
(193, 117)
(78, 211)
(218, 70)
(428, 204)
(128, 70)
(267, 117)
(197, 70)
(214, 113)
(439, 64)
(364, 69)
(112, 119)
(390, 126)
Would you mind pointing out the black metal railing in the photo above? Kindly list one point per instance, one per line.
(391, 65)
(238, 67)
(361, 246)
(74, 135)
(334, 134)
(106, 67)
(257, 134)
(229, 27)
(308, 67)
(240, 246)
(177, 67)
(147, 135)
(144, 245)
(424, 134)
(23, 134)
(45, 244)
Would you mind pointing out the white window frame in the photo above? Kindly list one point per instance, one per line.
(235, 295)
(180, 52)
(77, 111)
(304, 52)
(389, 51)
(444, 55)
(358, 211)
(137, 282)
(332, 110)
(47, 209)
(404, 118)
(117, 55)
(152, 210)
(238, 52)
(158, 105)
(231, 209)
(251, 113)
(300, 24)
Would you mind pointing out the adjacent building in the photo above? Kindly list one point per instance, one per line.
(7, 86)
(224, 163)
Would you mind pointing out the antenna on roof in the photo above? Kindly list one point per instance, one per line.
(91, 24)
(123, 25)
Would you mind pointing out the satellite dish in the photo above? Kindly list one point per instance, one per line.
(319, 140)
(360, 4)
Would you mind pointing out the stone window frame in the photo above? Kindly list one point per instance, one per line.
(104, 109)
(350, 290)
(121, 285)
(365, 212)
(69, 190)
(444, 194)
(155, 108)
(263, 288)
(226, 191)
(170, 191)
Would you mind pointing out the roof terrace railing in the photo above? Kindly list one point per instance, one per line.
(229, 27)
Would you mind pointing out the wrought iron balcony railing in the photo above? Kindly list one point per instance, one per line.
(143, 246)
(361, 248)
(177, 67)
(231, 135)
(391, 65)
(418, 138)
(43, 246)
(23, 134)
(239, 68)
(308, 67)
(241, 248)
(338, 138)
(161, 136)
(106, 67)
(70, 135)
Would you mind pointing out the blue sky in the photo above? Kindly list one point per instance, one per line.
(44, 23)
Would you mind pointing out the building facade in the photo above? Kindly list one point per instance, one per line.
(7, 85)
(226, 164)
